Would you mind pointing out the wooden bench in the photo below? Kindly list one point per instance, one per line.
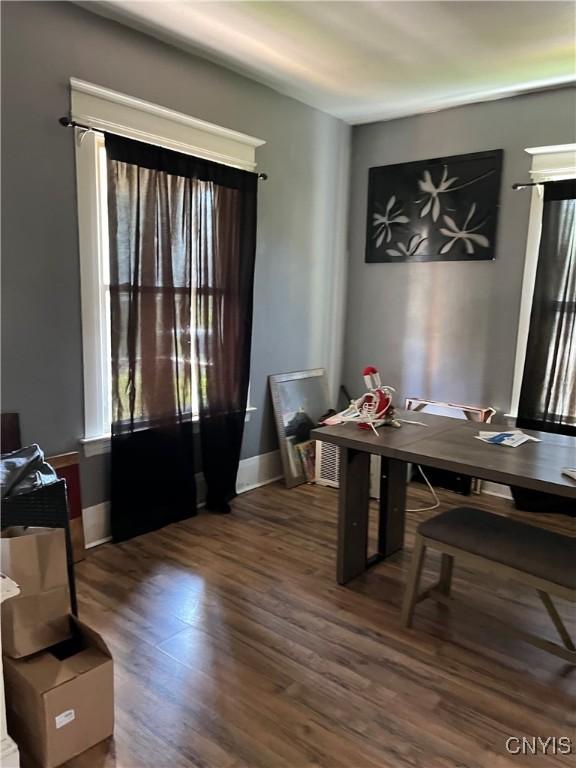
(503, 547)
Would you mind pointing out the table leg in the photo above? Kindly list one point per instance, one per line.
(353, 507)
(392, 506)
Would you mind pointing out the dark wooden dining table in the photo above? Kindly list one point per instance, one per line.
(444, 443)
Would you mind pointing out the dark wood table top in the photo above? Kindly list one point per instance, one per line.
(448, 443)
(389, 439)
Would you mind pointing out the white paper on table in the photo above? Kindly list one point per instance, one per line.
(515, 438)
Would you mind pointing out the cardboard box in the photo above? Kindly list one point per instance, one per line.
(35, 558)
(60, 702)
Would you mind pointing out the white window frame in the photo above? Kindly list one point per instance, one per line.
(95, 326)
(552, 163)
(101, 109)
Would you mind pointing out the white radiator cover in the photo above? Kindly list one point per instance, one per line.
(328, 468)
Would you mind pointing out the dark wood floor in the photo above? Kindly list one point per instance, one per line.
(234, 647)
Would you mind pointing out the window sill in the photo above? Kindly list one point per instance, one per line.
(96, 446)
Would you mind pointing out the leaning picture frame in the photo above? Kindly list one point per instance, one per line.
(299, 400)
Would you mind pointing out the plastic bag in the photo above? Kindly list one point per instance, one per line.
(24, 470)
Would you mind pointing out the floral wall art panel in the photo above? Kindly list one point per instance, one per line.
(444, 209)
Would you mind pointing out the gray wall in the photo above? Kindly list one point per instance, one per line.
(301, 216)
(447, 331)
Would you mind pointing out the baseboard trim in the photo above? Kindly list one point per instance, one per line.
(97, 543)
(495, 489)
(258, 471)
(252, 473)
(96, 521)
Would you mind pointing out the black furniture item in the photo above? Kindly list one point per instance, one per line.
(9, 432)
(542, 503)
(442, 478)
(46, 507)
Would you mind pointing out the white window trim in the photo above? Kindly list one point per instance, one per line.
(95, 350)
(552, 163)
(105, 110)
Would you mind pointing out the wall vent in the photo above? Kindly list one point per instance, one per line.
(328, 468)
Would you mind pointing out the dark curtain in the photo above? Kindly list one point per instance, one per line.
(548, 394)
(224, 273)
(182, 242)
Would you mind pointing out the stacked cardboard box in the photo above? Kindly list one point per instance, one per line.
(58, 672)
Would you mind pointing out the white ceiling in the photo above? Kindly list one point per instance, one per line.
(366, 61)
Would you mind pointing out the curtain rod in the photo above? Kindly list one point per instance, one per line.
(68, 123)
(525, 184)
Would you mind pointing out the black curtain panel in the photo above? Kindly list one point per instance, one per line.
(182, 235)
(224, 252)
(548, 394)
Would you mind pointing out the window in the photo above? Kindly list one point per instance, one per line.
(548, 164)
(105, 110)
